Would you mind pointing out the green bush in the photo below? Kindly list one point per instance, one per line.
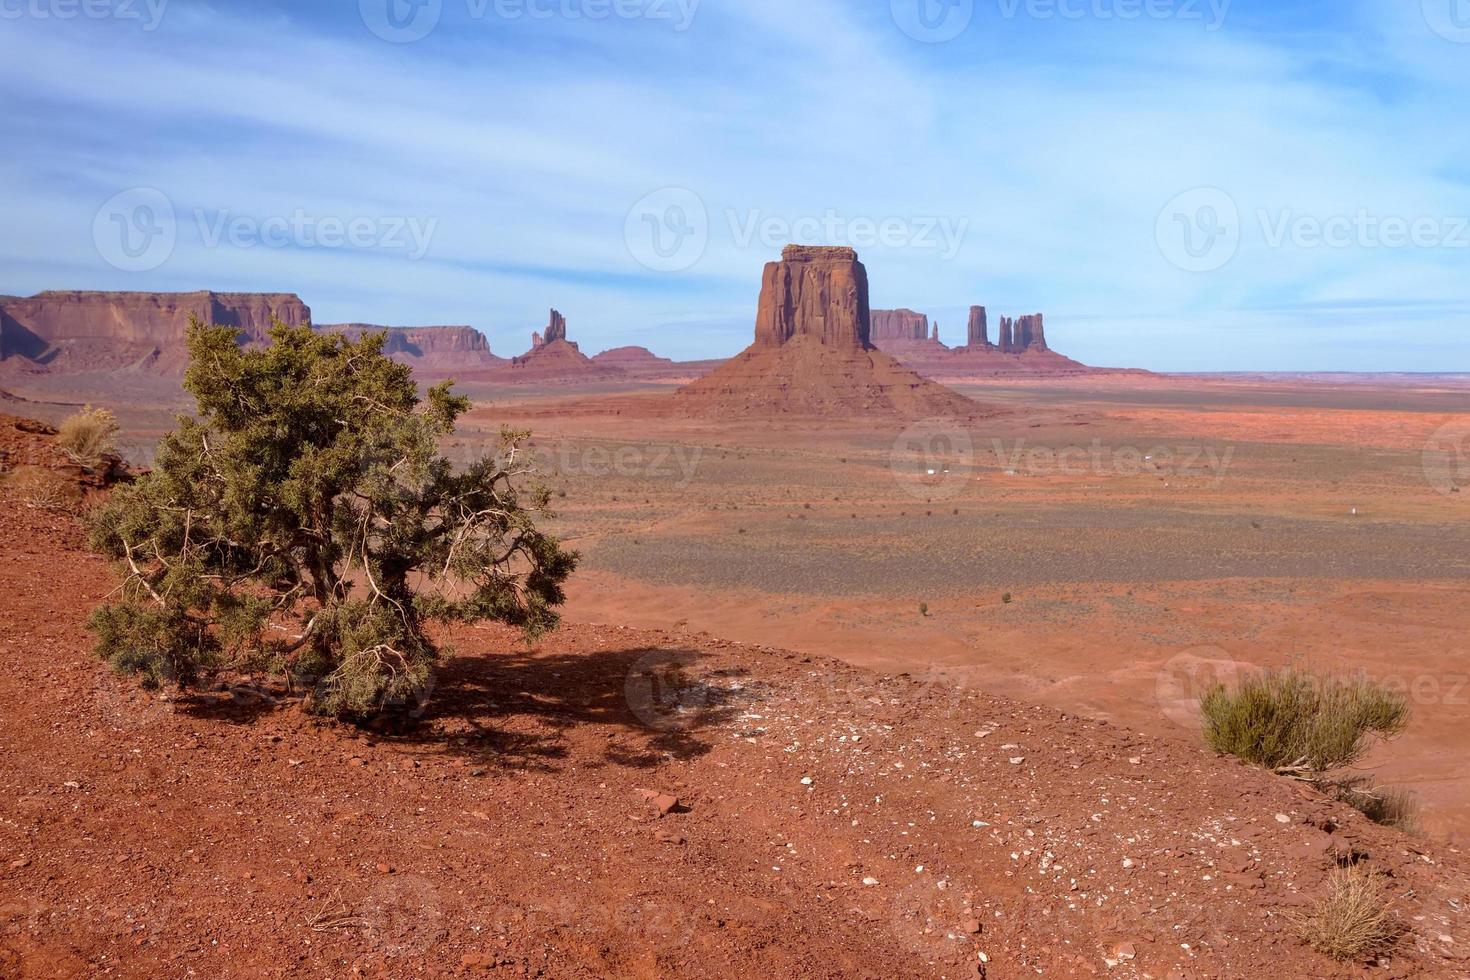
(1295, 722)
(305, 523)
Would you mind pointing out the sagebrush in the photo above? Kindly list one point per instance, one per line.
(305, 523)
(1296, 722)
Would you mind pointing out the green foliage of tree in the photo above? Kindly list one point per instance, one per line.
(305, 523)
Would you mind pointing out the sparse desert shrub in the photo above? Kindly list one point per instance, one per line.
(1298, 723)
(305, 523)
(1006, 598)
(87, 435)
(42, 489)
(923, 609)
(1353, 919)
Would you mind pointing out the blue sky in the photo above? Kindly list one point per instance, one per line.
(1178, 184)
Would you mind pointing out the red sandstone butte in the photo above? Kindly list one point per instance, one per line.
(812, 353)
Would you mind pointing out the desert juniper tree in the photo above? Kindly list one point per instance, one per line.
(306, 523)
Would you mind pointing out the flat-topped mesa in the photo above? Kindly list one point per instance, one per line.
(902, 324)
(79, 331)
(815, 291)
(977, 333)
(448, 347)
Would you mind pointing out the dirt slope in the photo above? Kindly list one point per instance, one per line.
(833, 822)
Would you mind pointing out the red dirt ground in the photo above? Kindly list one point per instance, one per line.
(832, 822)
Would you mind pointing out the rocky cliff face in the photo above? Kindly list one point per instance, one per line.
(977, 333)
(898, 325)
(447, 348)
(89, 331)
(816, 292)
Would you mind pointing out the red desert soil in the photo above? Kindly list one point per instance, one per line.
(831, 822)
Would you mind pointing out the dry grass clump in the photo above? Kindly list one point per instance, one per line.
(1397, 808)
(1353, 919)
(42, 489)
(1299, 723)
(88, 435)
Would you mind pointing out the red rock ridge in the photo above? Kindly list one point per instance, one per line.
(430, 348)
